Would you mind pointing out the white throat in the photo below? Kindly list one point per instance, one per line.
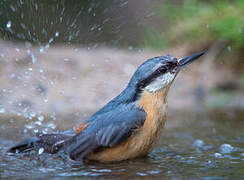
(160, 82)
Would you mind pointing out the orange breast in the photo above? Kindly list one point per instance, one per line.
(142, 140)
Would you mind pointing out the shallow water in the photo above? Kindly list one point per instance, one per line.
(206, 146)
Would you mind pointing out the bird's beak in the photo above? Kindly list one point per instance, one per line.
(189, 59)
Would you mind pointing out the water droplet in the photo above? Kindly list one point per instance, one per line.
(141, 174)
(69, 38)
(32, 114)
(139, 50)
(53, 116)
(40, 118)
(93, 28)
(41, 49)
(8, 25)
(56, 34)
(106, 20)
(39, 123)
(23, 26)
(28, 126)
(40, 151)
(153, 172)
(47, 46)
(226, 148)
(2, 56)
(36, 7)
(51, 125)
(44, 131)
(107, 60)
(33, 59)
(130, 48)
(61, 19)
(50, 40)
(2, 110)
(12, 8)
(12, 76)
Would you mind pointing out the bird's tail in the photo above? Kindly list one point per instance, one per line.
(49, 143)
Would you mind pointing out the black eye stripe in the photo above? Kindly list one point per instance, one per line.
(164, 68)
(161, 70)
(154, 75)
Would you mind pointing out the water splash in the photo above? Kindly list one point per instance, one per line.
(9, 24)
(40, 118)
(40, 151)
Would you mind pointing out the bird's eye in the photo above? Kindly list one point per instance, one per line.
(162, 69)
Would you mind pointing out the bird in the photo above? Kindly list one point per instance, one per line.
(127, 127)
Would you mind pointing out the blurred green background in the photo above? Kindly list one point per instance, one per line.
(203, 23)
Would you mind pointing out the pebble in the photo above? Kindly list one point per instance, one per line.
(218, 155)
(226, 148)
(198, 143)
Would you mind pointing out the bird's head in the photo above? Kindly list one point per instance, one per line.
(159, 72)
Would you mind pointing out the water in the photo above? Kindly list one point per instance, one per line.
(206, 146)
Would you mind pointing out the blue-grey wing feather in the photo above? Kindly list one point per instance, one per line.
(106, 130)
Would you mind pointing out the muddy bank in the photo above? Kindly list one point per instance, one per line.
(73, 82)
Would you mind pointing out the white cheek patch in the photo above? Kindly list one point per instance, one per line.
(160, 82)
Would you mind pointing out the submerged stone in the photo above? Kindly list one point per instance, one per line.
(198, 143)
(226, 148)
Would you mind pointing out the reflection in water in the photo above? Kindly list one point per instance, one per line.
(192, 146)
